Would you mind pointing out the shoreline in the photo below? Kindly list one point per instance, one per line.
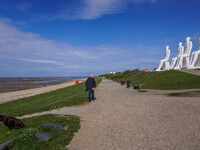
(17, 84)
(15, 95)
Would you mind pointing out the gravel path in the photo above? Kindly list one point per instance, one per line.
(123, 119)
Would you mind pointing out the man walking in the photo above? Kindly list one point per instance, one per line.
(90, 86)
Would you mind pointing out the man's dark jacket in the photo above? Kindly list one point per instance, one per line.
(90, 83)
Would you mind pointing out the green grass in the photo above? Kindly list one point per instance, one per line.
(167, 80)
(24, 139)
(185, 94)
(47, 101)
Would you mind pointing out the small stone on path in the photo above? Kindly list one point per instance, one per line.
(52, 125)
(44, 136)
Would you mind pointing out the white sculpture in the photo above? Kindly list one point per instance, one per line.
(175, 61)
(185, 58)
(195, 59)
(164, 63)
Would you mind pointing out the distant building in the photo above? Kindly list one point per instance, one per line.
(111, 73)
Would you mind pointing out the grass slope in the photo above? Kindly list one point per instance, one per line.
(25, 139)
(167, 80)
(73, 95)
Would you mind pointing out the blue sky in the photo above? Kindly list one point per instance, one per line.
(79, 37)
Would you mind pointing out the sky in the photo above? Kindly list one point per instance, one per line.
(80, 37)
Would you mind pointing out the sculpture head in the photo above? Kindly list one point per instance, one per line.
(180, 44)
(167, 47)
(188, 39)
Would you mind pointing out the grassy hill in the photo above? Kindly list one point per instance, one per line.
(24, 139)
(68, 96)
(167, 80)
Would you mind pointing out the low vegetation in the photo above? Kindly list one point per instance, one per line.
(69, 96)
(24, 139)
(167, 80)
(185, 94)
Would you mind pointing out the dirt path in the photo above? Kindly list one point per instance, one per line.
(123, 119)
(10, 96)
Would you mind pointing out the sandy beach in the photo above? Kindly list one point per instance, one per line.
(10, 96)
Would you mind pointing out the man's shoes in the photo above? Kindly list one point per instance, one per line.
(94, 99)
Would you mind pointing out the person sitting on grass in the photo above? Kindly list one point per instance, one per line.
(90, 87)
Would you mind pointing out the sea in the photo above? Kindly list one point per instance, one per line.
(6, 81)
(22, 83)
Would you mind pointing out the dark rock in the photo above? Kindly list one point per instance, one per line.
(52, 125)
(6, 145)
(44, 136)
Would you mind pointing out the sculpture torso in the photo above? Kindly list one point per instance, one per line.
(180, 51)
(167, 54)
(188, 48)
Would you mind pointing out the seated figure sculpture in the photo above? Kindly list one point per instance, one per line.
(195, 59)
(174, 61)
(164, 63)
(184, 60)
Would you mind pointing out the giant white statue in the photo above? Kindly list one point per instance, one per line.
(195, 59)
(164, 63)
(185, 58)
(175, 61)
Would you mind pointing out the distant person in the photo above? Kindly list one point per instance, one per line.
(122, 81)
(128, 83)
(90, 87)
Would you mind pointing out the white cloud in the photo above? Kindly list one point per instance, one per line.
(23, 6)
(43, 61)
(32, 49)
(16, 43)
(27, 50)
(97, 8)
(86, 10)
